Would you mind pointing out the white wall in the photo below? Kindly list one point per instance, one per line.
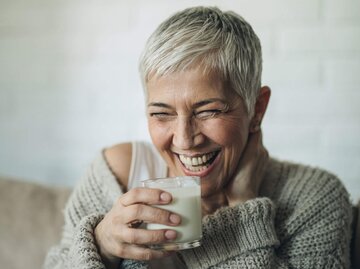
(69, 84)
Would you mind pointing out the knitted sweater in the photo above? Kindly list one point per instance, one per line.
(300, 220)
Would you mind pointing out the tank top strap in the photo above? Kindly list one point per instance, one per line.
(146, 163)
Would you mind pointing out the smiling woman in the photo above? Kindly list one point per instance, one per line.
(201, 71)
(185, 110)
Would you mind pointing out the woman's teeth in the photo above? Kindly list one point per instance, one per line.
(197, 163)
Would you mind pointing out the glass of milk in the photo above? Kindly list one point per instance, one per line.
(186, 202)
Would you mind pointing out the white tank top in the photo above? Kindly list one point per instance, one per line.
(146, 163)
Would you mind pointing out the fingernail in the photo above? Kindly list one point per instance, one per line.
(175, 219)
(170, 235)
(165, 197)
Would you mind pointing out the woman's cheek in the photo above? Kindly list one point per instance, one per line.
(160, 133)
(226, 131)
(155, 129)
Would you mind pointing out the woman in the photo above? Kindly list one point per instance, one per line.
(201, 71)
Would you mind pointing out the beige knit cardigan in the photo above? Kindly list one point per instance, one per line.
(300, 220)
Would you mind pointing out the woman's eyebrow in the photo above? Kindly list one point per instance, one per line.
(196, 105)
(209, 101)
(159, 104)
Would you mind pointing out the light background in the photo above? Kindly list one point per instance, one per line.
(69, 84)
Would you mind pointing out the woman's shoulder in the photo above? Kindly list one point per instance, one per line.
(310, 202)
(118, 158)
(123, 159)
(308, 178)
(299, 186)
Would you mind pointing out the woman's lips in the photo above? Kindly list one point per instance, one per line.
(204, 171)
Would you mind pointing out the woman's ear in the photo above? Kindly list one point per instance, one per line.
(260, 108)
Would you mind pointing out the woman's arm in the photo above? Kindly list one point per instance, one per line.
(87, 205)
(104, 181)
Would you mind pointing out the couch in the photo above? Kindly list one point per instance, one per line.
(31, 217)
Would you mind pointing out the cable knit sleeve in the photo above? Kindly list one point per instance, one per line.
(306, 224)
(87, 205)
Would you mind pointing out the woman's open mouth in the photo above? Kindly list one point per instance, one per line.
(199, 163)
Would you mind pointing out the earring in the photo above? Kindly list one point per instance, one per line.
(255, 127)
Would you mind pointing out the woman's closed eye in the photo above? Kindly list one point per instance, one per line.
(205, 114)
(202, 114)
(161, 115)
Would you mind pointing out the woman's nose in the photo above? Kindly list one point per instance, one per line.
(187, 135)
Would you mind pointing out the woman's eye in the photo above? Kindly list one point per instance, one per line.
(161, 115)
(207, 113)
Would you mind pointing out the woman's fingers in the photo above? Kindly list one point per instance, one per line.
(116, 235)
(145, 196)
(144, 237)
(148, 214)
(135, 206)
(136, 252)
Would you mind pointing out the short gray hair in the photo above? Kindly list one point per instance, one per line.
(205, 36)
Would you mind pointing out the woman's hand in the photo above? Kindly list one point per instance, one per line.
(251, 169)
(116, 236)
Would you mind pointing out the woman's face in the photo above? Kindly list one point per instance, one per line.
(199, 126)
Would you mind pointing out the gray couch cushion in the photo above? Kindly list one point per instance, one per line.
(31, 217)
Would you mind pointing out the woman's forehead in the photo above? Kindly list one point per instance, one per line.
(192, 80)
(190, 86)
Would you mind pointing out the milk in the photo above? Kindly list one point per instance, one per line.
(186, 203)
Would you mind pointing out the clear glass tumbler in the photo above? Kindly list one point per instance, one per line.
(186, 202)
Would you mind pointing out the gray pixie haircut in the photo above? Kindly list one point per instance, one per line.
(206, 37)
